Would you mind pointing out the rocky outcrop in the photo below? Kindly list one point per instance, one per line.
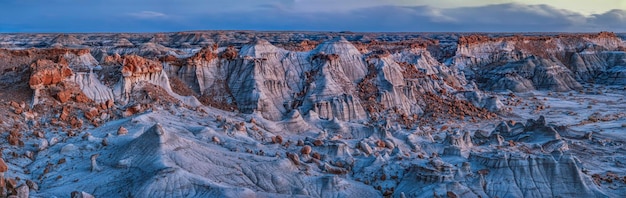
(348, 61)
(114, 59)
(259, 81)
(534, 176)
(263, 78)
(331, 93)
(530, 74)
(81, 194)
(82, 61)
(46, 73)
(614, 73)
(3, 166)
(615, 76)
(535, 162)
(557, 63)
(328, 80)
(206, 75)
(136, 69)
(92, 87)
(135, 66)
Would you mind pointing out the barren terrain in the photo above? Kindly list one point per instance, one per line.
(313, 114)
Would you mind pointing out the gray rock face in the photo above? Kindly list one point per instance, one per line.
(92, 87)
(534, 176)
(554, 77)
(532, 73)
(512, 82)
(258, 80)
(350, 61)
(547, 172)
(480, 99)
(81, 194)
(616, 75)
(557, 64)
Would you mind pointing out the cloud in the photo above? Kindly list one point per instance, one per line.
(491, 18)
(516, 17)
(314, 15)
(609, 19)
(148, 15)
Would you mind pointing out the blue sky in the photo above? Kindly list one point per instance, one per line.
(313, 15)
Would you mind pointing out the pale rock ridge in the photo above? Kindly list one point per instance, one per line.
(263, 77)
(608, 40)
(587, 65)
(81, 62)
(615, 72)
(329, 74)
(331, 93)
(92, 87)
(590, 61)
(394, 88)
(157, 141)
(148, 49)
(404, 86)
(76, 67)
(258, 80)
(453, 79)
(350, 61)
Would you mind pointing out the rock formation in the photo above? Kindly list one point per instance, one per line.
(312, 114)
(136, 69)
(521, 63)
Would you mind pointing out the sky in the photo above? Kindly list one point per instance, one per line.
(313, 15)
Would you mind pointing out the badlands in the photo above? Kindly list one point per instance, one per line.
(313, 114)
